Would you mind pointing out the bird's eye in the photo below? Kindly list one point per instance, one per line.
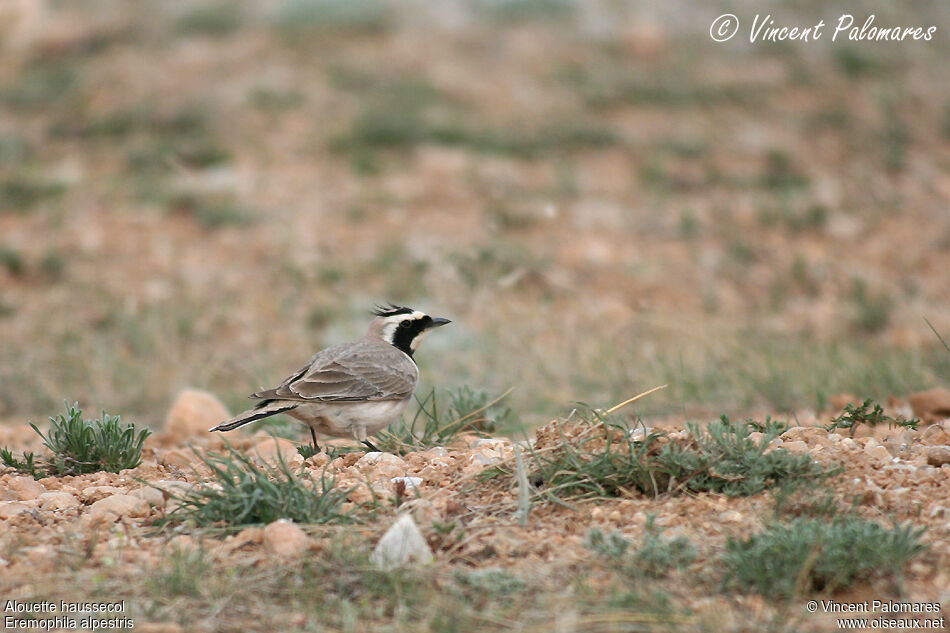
(404, 323)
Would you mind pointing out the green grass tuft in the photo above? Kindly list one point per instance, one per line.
(655, 557)
(807, 555)
(214, 20)
(437, 424)
(82, 446)
(607, 460)
(21, 194)
(854, 414)
(12, 260)
(184, 573)
(244, 493)
(304, 20)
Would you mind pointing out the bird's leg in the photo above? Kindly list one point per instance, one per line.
(313, 434)
(371, 447)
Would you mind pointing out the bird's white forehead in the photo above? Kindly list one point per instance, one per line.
(399, 318)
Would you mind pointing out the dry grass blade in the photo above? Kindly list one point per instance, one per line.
(524, 492)
(617, 407)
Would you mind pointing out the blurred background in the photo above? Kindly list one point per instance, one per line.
(599, 196)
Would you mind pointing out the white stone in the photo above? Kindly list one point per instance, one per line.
(640, 433)
(401, 545)
(411, 482)
(379, 458)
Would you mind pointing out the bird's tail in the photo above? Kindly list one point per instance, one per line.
(261, 411)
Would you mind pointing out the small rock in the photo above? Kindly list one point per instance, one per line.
(486, 458)
(247, 536)
(57, 500)
(285, 539)
(118, 506)
(10, 509)
(26, 488)
(935, 434)
(640, 433)
(380, 458)
(276, 450)
(731, 516)
(173, 487)
(317, 461)
(411, 483)
(401, 545)
(382, 465)
(90, 494)
(939, 512)
(848, 443)
(797, 446)
(931, 405)
(192, 414)
(152, 496)
(878, 452)
(938, 455)
(490, 442)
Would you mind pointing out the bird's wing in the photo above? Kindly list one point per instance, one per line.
(350, 372)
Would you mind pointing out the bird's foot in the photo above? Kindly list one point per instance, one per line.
(371, 447)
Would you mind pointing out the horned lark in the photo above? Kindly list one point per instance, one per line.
(352, 389)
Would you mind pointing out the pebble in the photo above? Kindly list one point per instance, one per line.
(152, 496)
(938, 455)
(411, 483)
(285, 539)
(26, 488)
(192, 414)
(878, 452)
(57, 500)
(10, 509)
(402, 545)
(90, 494)
(276, 450)
(797, 446)
(378, 458)
(118, 506)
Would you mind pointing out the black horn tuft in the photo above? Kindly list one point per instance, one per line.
(392, 310)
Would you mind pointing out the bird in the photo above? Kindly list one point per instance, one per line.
(351, 389)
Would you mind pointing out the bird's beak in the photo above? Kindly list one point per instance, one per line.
(438, 322)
